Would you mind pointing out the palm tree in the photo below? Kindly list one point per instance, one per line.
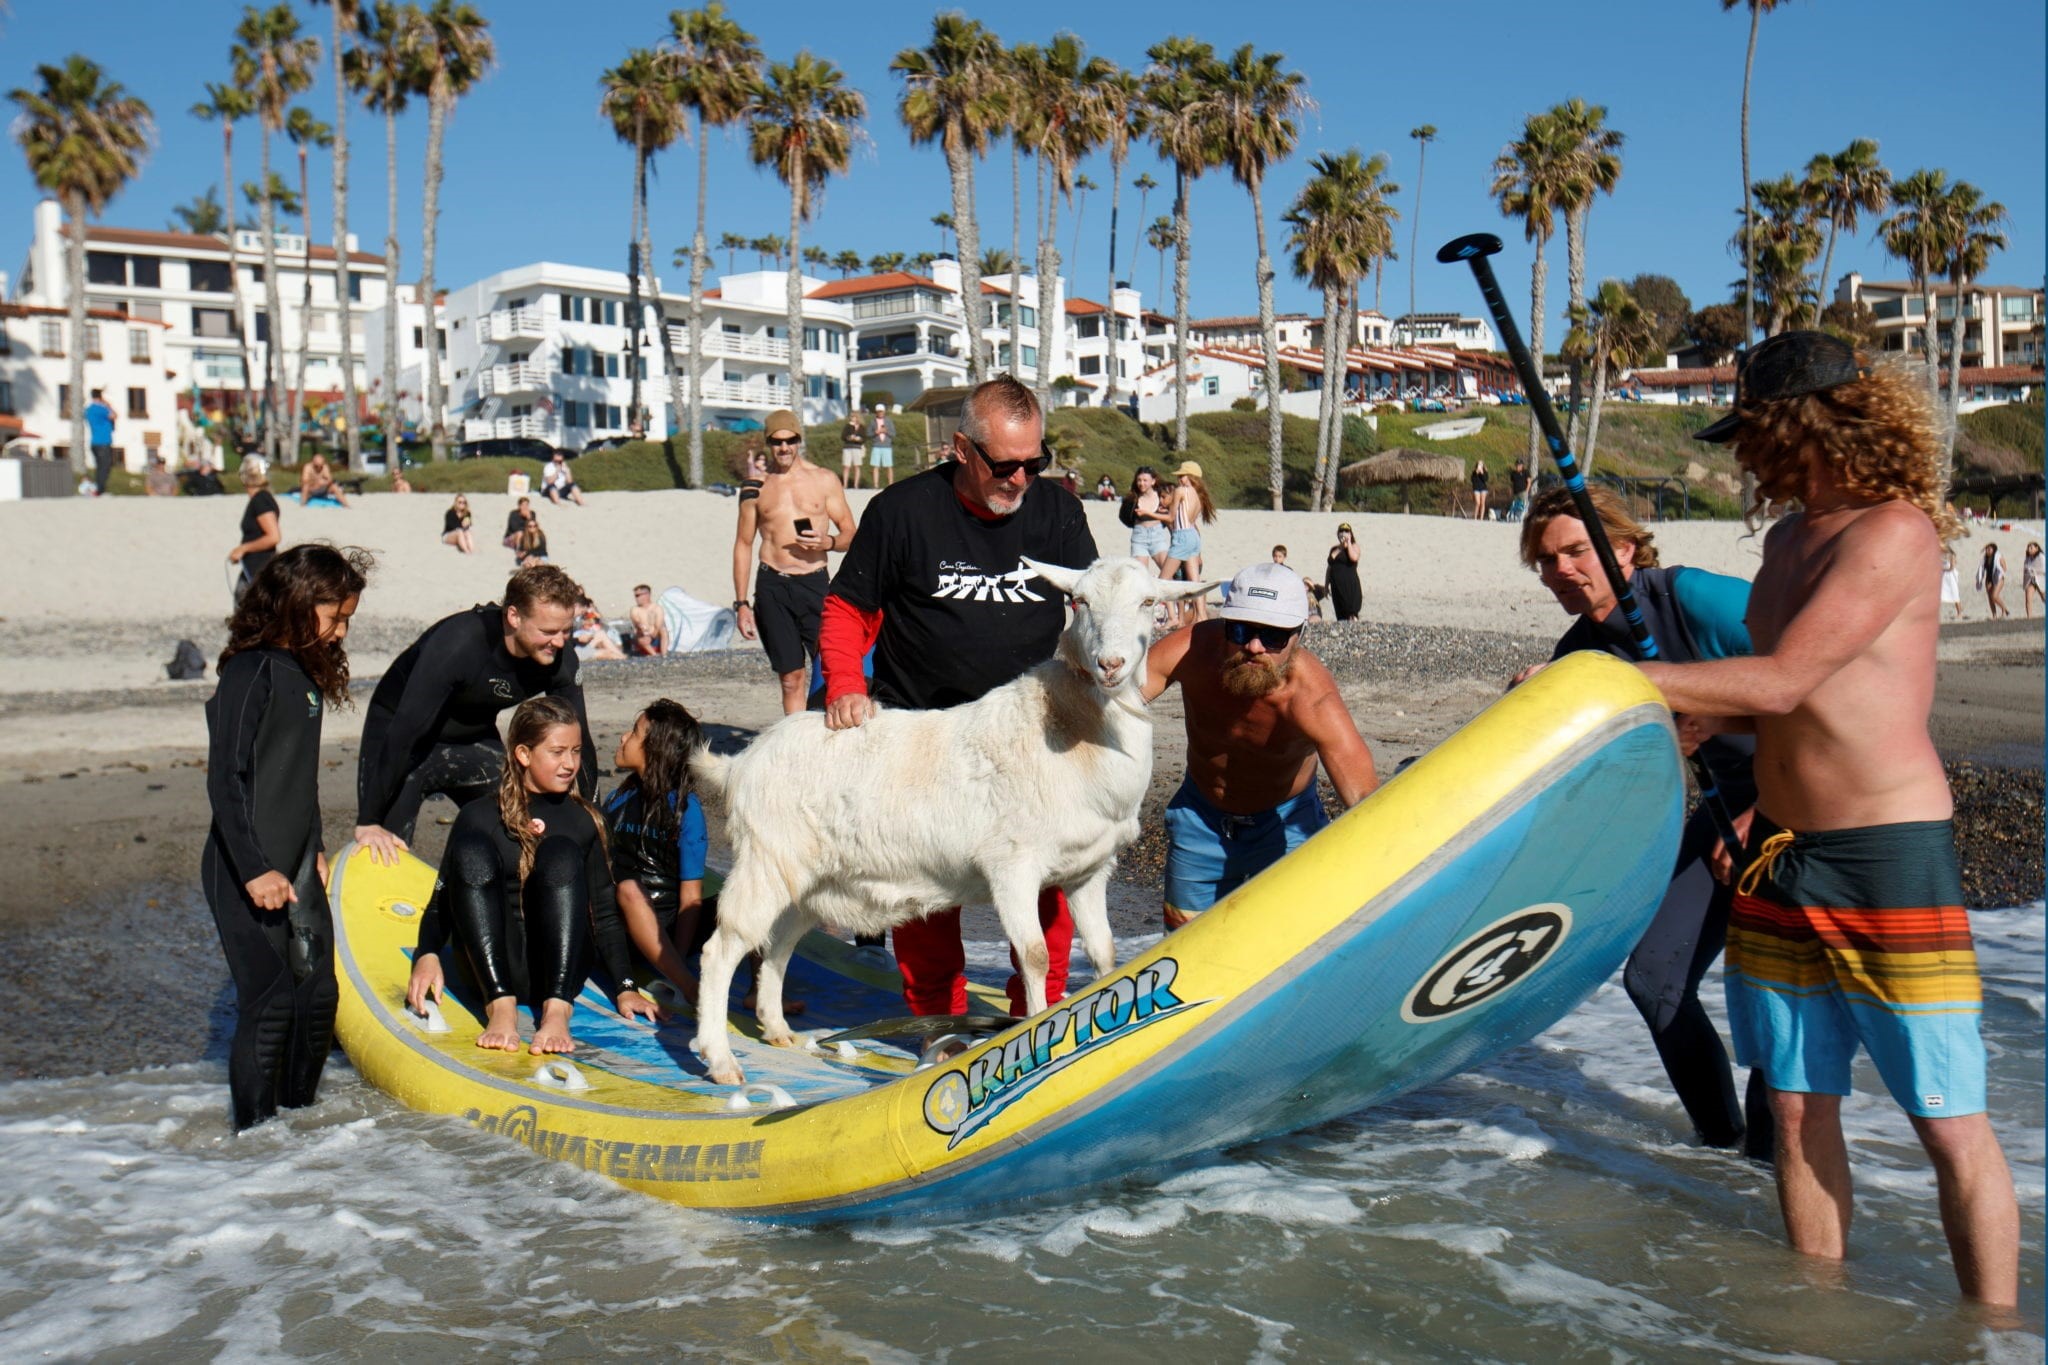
(1064, 123)
(730, 243)
(1528, 178)
(273, 63)
(816, 255)
(457, 52)
(203, 217)
(306, 131)
(1785, 242)
(1614, 332)
(1159, 237)
(804, 122)
(1256, 102)
(347, 16)
(1015, 73)
(1121, 97)
(1180, 114)
(1915, 235)
(1423, 136)
(1144, 184)
(1082, 184)
(769, 248)
(953, 91)
(1844, 186)
(383, 68)
(1592, 151)
(882, 262)
(642, 98)
(922, 261)
(230, 105)
(944, 223)
(1757, 10)
(1970, 230)
(846, 262)
(994, 261)
(84, 137)
(1318, 239)
(720, 65)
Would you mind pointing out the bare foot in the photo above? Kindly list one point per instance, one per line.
(553, 1033)
(501, 1025)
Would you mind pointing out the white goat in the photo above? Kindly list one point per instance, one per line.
(1036, 784)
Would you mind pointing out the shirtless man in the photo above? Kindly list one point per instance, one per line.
(798, 502)
(1847, 927)
(1260, 711)
(650, 623)
(317, 480)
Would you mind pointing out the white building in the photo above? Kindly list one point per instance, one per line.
(544, 351)
(1444, 329)
(1293, 330)
(1102, 340)
(2002, 323)
(124, 359)
(182, 281)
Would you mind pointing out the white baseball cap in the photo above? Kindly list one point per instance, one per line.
(1267, 594)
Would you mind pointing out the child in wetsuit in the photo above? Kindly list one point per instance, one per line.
(658, 841)
(265, 866)
(523, 883)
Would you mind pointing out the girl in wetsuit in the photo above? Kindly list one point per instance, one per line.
(523, 884)
(265, 868)
(658, 841)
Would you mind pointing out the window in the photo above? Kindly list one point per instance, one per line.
(611, 367)
(149, 308)
(52, 339)
(138, 402)
(611, 313)
(319, 324)
(216, 323)
(1088, 328)
(1031, 356)
(64, 400)
(92, 341)
(6, 341)
(138, 345)
(145, 272)
(263, 326)
(7, 397)
(734, 377)
(1030, 316)
(1212, 386)
(210, 277)
(1091, 364)
(572, 413)
(811, 339)
(1123, 371)
(612, 416)
(572, 308)
(355, 285)
(106, 267)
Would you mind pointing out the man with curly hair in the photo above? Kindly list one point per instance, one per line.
(1847, 927)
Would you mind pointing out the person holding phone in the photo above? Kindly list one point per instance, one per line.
(800, 515)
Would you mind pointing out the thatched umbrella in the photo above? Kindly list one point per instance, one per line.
(1404, 466)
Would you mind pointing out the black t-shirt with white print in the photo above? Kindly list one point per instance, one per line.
(961, 614)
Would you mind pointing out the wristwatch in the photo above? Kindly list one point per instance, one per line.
(742, 602)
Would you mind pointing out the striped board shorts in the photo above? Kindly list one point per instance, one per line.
(1857, 936)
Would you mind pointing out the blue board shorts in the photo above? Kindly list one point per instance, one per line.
(882, 457)
(1211, 853)
(1857, 936)
(1185, 545)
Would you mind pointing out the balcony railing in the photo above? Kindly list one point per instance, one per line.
(745, 395)
(899, 305)
(507, 323)
(504, 428)
(898, 349)
(521, 376)
(732, 347)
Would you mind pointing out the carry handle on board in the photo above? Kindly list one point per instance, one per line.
(774, 1096)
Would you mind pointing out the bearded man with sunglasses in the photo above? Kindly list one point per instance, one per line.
(800, 514)
(937, 586)
(1261, 711)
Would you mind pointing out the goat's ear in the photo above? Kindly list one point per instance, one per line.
(1063, 579)
(1173, 591)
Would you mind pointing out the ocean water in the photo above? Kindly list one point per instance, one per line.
(1547, 1206)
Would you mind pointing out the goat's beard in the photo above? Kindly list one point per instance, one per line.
(1249, 679)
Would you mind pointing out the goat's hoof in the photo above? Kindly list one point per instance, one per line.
(729, 1074)
(781, 1040)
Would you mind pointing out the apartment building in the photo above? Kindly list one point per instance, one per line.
(2002, 323)
(1295, 331)
(124, 359)
(183, 282)
(1444, 329)
(545, 351)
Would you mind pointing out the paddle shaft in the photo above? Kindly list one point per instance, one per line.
(1474, 251)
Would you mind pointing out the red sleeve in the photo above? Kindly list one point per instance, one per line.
(845, 635)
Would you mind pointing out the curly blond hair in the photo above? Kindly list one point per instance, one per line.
(1878, 438)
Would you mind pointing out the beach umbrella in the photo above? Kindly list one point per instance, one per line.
(1403, 466)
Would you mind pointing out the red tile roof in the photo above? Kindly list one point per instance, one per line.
(1678, 379)
(192, 241)
(875, 284)
(39, 310)
(1999, 374)
(1085, 307)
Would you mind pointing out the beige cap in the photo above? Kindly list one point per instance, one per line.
(782, 419)
(1190, 468)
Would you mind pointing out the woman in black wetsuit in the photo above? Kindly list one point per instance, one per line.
(264, 868)
(1347, 598)
(525, 886)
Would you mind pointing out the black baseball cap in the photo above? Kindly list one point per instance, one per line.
(1787, 365)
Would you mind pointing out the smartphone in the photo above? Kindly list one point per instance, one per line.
(803, 526)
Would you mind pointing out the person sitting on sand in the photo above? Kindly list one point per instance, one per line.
(515, 522)
(455, 524)
(1260, 711)
(558, 481)
(265, 866)
(650, 624)
(316, 480)
(593, 636)
(535, 851)
(530, 546)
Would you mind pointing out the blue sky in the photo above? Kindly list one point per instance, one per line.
(533, 173)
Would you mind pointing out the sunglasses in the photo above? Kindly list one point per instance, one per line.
(785, 440)
(1274, 638)
(1003, 469)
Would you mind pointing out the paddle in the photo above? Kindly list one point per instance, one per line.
(1473, 249)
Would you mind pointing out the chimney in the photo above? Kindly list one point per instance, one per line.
(946, 273)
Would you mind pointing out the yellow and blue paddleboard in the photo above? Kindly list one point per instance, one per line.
(1460, 911)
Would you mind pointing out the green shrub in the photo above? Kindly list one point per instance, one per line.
(1244, 405)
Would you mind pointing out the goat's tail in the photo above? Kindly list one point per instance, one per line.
(710, 770)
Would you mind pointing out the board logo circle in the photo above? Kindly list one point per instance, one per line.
(946, 1103)
(1489, 962)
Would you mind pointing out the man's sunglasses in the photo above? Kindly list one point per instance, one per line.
(1003, 469)
(785, 440)
(1274, 638)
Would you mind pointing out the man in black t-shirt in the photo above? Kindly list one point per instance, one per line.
(936, 582)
